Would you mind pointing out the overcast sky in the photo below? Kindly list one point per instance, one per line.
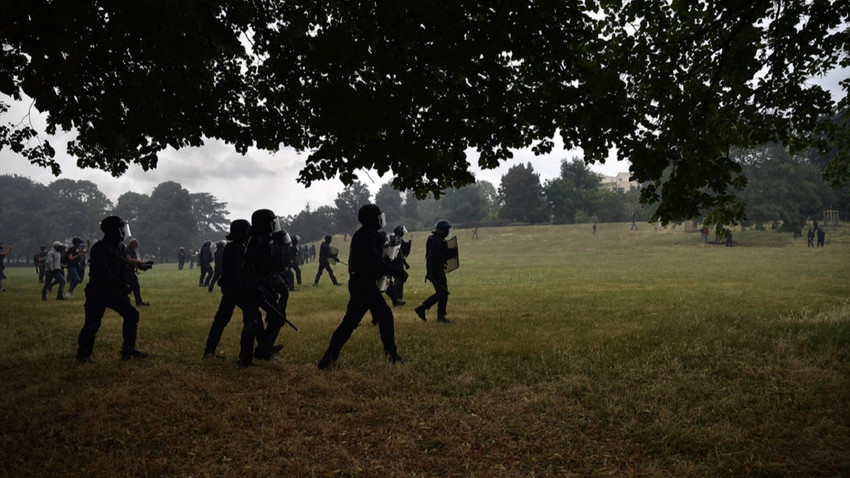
(259, 179)
(246, 183)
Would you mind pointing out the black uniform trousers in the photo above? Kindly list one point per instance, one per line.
(365, 296)
(275, 316)
(252, 325)
(98, 299)
(206, 275)
(215, 277)
(134, 286)
(440, 295)
(322, 267)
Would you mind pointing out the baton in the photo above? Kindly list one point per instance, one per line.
(428, 278)
(274, 308)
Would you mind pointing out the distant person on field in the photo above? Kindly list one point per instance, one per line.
(181, 258)
(3, 254)
(810, 238)
(634, 222)
(395, 291)
(312, 252)
(218, 259)
(131, 255)
(53, 271)
(325, 256)
(437, 253)
(39, 262)
(704, 231)
(594, 227)
(297, 260)
(76, 260)
(205, 260)
(475, 232)
(107, 288)
(821, 237)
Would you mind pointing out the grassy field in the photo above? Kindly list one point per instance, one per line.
(624, 353)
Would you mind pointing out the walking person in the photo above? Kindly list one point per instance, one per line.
(325, 255)
(3, 254)
(107, 288)
(53, 271)
(205, 259)
(234, 292)
(218, 259)
(280, 261)
(75, 262)
(395, 290)
(365, 267)
(437, 253)
(39, 262)
(131, 255)
(297, 260)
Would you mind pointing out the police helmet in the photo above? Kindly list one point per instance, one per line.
(442, 226)
(207, 243)
(114, 225)
(264, 222)
(238, 230)
(328, 238)
(400, 231)
(371, 215)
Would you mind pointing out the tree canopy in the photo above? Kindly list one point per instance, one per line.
(410, 87)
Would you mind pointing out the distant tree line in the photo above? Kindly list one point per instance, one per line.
(783, 192)
(32, 214)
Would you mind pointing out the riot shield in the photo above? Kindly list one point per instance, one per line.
(390, 253)
(332, 260)
(454, 262)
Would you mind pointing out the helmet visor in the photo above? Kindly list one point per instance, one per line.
(275, 225)
(382, 220)
(125, 230)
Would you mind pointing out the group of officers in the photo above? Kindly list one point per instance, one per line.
(254, 268)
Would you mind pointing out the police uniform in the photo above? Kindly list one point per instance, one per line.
(107, 289)
(205, 259)
(395, 291)
(365, 266)
(324, 261)
(235, 293)
(280, 261)
(437, 252)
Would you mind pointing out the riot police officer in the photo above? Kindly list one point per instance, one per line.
(218, 261)
(107, 288)
(395, 291)
(205, 260)
(437, 252)
(325, 256)
(280, 262)
(234, 293)
(365, 267)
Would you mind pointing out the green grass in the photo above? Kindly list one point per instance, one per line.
(622, 353)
